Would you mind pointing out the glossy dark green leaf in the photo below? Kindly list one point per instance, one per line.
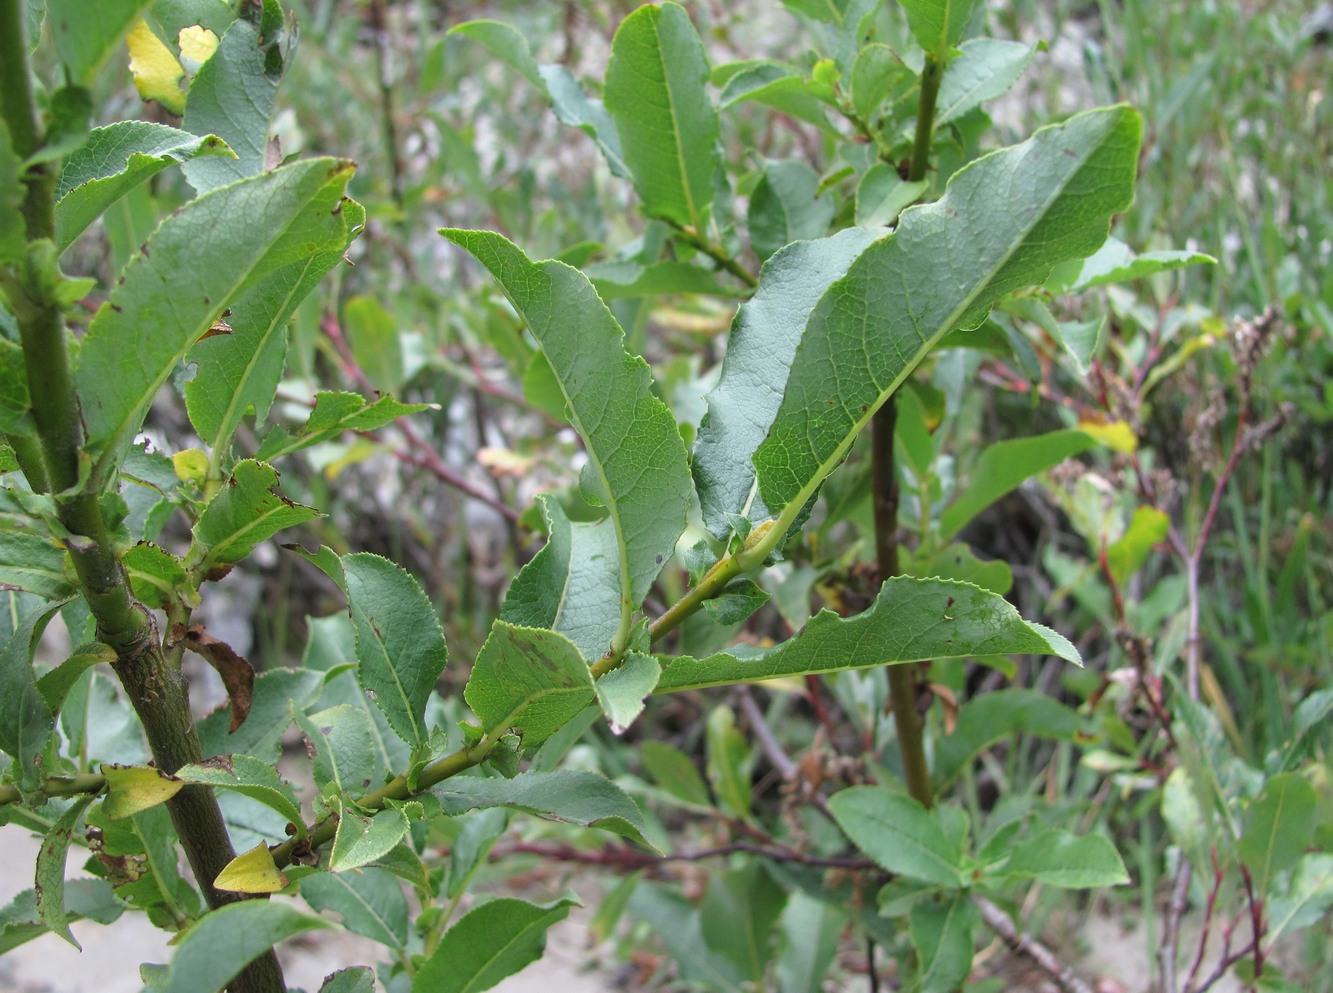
(232, 96)
(569, 796)
(1070, 861)
(369, 901)
(941, 269)
(25, 720)
(86, 34)
(225, 940)
(193, 267)
(636, 461)
(335, 413)
(786, 206)
(488, 944)
(50, 885)
(899, 834)
(911, 620)
(942, 935)
(528, 679)
(113, 161)
(656, 92)
(760, 350)
(1003, 466)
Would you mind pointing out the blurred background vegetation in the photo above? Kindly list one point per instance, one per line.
(1237, 162)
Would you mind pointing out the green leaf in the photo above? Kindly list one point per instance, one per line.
(50, 884)
(942, 268)
(400, 646)
(958, 562)
(1114, 262)
(528, 679)
(899, 834)
(875, 73)
(86, 34)
(656, 92)
(156, 576)
(247, 511)
(674, 771)
(250, 777)
(571, 584)
(942, 936)
(25, 720)
(1308, 896)
(1190, 824)
(335, 413)
(984, 69)
(55, 685)
(361, 840)
(375, 339)
(811, 930)
(1003, 466)
(760, 350)
(738, 600)
(275, 690)
(84, 898)
(783, 89)
(232, 97)
(737, 916)
(226, 940)
(1069, 861)
(911, 620)
(489, 943)
(636, 460)
(355, 979)
(729, 762)
(370, 902)
(341, 744)
(786, 206)
(33, 562)
(237, 372)
(676, 923)
(992, 717)
(193, 267)
(622, 691)
(506, 43)
(938, 25)
(15, 403)
(1278, 828)
(569, 796)
(1147, 528)
(114, 160)
(882, 195)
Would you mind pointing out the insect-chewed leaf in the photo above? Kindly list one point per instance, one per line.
(247, 511)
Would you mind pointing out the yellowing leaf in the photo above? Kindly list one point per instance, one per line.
(252, 872)
(1116, 435)
(157, 74)
(135, 788)
(197, 45)
(191, 466)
